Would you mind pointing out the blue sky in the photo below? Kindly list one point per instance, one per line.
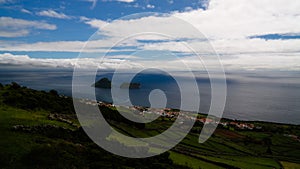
(70, 28)
(246, 34)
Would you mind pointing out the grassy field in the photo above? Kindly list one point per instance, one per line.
(289, 165)
(15, 144)
(191, 161)
(189, 152)
(240, 149)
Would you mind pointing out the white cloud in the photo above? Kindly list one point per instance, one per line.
(123, 57)
(94, 2)
(236, 46)
(288, 62)
(12, 27)
(170, 1)
(120, 28)
(61, 46)
(276, 61)
(226, 23)
(8, 22)
(223, 44)
(83, 18)
(238, 19)
(86, 63)
(231, 19)
(53, 14)
(127, 1)
(150, 6)
(95, 23)
(10, 34)
(26, 11)
(100, 46)
(188, 9)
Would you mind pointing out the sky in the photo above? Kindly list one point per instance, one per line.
(245, 35)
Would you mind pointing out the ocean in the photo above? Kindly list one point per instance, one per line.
(251, 95)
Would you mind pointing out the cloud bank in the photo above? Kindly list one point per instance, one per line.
(53, 14)
(250, 62)
(11, 27)
(227, 24)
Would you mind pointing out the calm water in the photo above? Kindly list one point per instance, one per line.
(264, 96)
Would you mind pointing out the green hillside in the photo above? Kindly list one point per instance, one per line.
(39, 130)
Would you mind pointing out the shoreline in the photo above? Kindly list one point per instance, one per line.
(98, 102)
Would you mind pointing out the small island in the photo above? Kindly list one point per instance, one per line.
(105, 83)
(130, 86)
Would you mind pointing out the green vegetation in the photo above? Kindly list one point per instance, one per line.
(39, 130)
(21, 97)
(30, 139)
(289, 165)
(191, 161)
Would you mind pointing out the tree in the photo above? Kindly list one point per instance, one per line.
(15, 85)
(53, 92)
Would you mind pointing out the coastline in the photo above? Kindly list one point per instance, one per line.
(109, 104)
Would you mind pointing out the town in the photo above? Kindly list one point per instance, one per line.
(172, 114)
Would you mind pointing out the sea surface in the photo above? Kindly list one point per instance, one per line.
(256, 95)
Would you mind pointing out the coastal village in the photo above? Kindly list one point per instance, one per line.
(170, 114)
